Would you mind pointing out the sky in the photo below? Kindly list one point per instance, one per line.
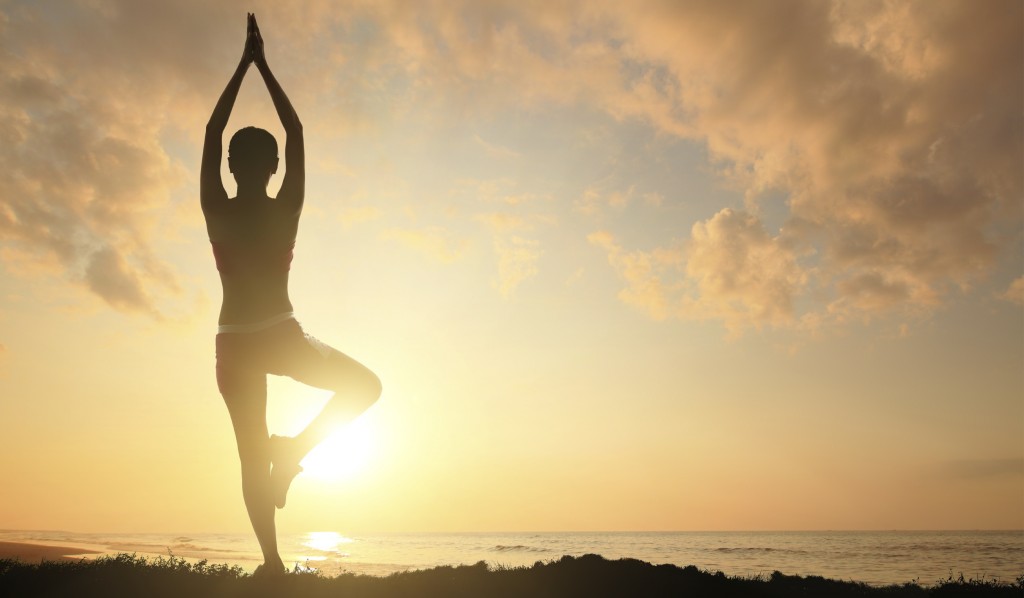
(619, 265)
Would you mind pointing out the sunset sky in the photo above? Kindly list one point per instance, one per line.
(619, 265)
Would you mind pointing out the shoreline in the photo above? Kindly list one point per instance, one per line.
(921, 557)
(587, 576)
(37, 553)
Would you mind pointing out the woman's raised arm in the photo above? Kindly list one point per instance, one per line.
(293, 187)
(211, 188)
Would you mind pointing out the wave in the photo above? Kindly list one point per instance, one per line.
(758, 550)
(518, 548)
(166, 548)
(197, 548)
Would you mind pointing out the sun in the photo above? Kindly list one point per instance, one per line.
(345, 454)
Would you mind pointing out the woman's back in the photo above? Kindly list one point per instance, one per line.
(252, 241)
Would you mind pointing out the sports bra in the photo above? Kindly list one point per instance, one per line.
(233, 258)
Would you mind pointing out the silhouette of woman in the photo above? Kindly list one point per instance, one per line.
(252, 236)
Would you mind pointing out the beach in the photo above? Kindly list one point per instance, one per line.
(36, 553)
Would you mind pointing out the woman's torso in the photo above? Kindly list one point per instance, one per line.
(252, 241)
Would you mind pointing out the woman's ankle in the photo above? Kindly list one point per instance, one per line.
(286, 450)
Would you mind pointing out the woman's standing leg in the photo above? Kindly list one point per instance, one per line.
(245, 394)
(248, 417)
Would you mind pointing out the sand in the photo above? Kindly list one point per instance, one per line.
(35, 553)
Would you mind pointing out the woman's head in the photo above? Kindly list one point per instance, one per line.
(252, 154)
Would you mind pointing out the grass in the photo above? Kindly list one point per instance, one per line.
(589, 575)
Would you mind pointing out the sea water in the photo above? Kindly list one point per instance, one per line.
(876, 558)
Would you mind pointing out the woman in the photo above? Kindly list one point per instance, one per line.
(252, 237)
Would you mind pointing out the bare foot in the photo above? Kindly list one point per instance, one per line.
(285, 468)
(273, 568)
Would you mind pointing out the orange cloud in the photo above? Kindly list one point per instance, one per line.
(433, 241)
(85, 99)
(900, 171)
(731, 270)
(893, 130)
(744, 276)
(903, 183)
(1015, 292)
(517, 261)
(645, 274)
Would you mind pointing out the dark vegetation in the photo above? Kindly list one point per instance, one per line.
(590, 576)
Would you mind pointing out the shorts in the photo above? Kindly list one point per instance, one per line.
(245, 358)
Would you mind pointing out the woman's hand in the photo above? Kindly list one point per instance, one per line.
(247, 58)
(254, 42)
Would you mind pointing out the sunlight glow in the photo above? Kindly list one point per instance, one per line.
(345, 454)
(325, 541)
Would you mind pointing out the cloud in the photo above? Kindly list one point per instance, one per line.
(502, 222)
(743, 275)
(512, 219)
(109, 276)
(350, 217)
(517, 261)
(973, 469)
(595, 198)
(83, 167)
(494, 150)
(433, 241)
(731, 270)
(900, 183)
(892, 131)
(518, 256)
(88, 93)
(1015, 292)
(903, 181)
(644, 273)
(499, 190)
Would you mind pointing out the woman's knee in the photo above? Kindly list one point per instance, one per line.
(373, 387)
(357, 381)
(368, 389)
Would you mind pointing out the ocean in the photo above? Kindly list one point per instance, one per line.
(875, 558)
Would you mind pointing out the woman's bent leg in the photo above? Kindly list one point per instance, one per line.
(355, 388)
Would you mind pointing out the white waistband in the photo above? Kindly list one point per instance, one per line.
(255, 326)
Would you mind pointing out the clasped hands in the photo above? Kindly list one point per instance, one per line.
(253, 52)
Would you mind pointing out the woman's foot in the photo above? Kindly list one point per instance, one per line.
(272, 568)
(285, 466)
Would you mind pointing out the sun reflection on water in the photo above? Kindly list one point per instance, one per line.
(325, 541)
